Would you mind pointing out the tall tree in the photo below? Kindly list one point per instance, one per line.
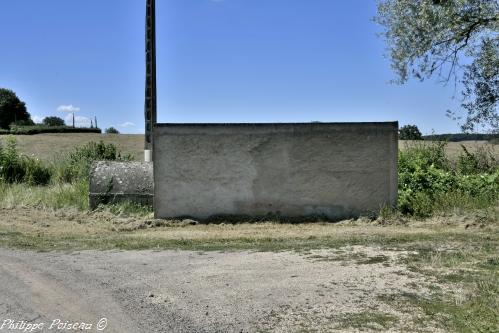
(450, 39)
(12, 109)
(410, 132)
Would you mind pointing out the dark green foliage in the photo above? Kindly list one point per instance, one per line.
(410, 132)
(77, 164)
(18, 168)
(428, 181)
(74, 168)
(112, 130)
(40, 129)
(53, 121)
(23, 122)
(481, 87)
(457, 137)
(12, 109)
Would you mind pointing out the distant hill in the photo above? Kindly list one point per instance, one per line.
(461, 137)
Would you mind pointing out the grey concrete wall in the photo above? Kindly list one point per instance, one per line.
(337, 170)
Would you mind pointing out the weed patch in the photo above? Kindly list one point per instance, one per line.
(429, 182)
(367, 320)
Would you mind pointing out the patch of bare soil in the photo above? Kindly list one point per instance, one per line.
(348, 284)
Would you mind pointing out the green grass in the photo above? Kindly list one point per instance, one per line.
(60, 196)
(466, 296)
(372, 320)
(54, 196)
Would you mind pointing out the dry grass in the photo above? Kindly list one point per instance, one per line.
(104, 229)
(454, 149)
(51, 146)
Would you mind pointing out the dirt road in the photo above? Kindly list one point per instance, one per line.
(183, 291)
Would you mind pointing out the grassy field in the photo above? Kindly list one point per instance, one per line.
(50, 146)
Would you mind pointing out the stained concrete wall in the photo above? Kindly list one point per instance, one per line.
(337, 170)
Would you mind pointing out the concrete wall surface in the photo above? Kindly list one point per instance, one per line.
(336, 170)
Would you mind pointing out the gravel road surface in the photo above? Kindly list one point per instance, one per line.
(182, 291)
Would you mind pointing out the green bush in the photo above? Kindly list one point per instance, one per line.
(481, 161)
(410, 132)
(112, 130)
(18, 168)
(428, 181)
(53, 121)
(40, 129)
(76, 166)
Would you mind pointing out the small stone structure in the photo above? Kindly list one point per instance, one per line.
(334, 170)
(112, 182)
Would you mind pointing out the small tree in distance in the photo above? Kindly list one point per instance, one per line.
(410, 132)
(53, 121)
(112, 130)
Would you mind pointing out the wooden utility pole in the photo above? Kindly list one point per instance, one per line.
(150, 93)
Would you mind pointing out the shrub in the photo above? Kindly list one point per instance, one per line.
(23, 122)
(410, 132)
(76, 166)
(18, 168)
(53, 121)
(482, 160)
(429, 182)
(112, 130)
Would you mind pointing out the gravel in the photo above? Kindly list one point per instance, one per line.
(185, 291)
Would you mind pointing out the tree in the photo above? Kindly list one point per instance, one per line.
(112, 130)
(453, 40)
(410, 132)
(53, 121)
(12, 109)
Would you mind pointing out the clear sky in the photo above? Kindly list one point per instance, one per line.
(218, 61)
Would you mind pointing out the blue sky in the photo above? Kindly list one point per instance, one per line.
(218, 61)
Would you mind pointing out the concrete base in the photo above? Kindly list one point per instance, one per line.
(112, 182)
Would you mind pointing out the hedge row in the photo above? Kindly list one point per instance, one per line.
(461, 137)
(39, 129)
